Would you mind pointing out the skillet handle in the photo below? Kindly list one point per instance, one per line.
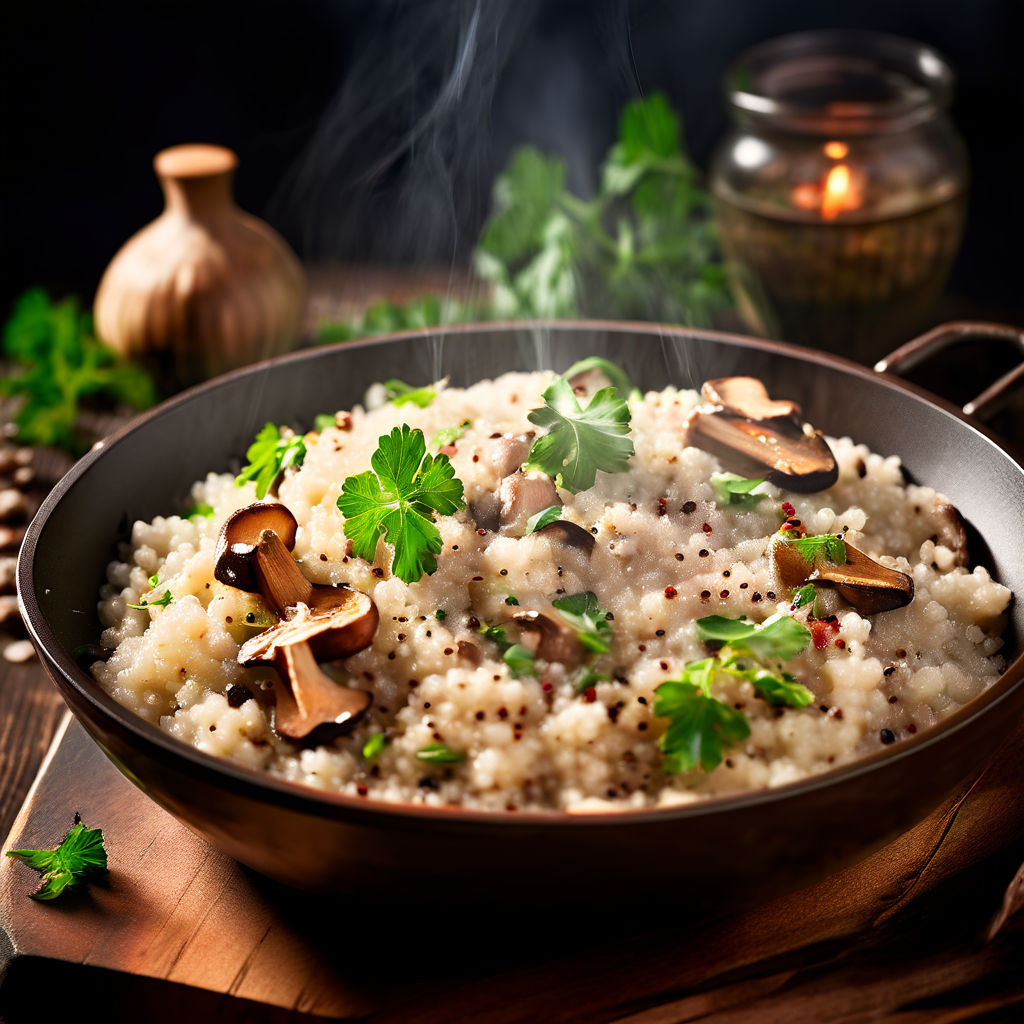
(915, 352)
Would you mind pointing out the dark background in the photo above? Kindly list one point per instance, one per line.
(372, 129)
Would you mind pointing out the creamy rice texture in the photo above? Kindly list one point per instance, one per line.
(665, 555)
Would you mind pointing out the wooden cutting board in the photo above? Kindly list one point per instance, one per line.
(177, 928)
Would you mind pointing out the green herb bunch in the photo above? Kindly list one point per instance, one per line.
(59, 362)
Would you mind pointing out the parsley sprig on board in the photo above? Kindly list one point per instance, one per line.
(700, 725)
(580, 441)
(397, 498)
(58, 362)
(79, 856)
(269, 455)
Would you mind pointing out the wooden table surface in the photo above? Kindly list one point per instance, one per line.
(928, 956)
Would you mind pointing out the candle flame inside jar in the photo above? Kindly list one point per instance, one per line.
(837, 195)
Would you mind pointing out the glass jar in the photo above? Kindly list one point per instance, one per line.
(840, 192)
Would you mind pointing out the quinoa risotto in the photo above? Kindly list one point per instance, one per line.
(468, 708)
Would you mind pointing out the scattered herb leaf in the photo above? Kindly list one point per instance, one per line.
(700, 726)
(805, 595)
(200, 510)
(58, 361)
(440, 615)
(497, 634)
(438, 753)
(520, 660)
(587, 677)
(731, 489)
(580, 441)
(779, 689)
(269, 455)
(812, 549)
(397, 499)
(79, 856)
(324, 421)
(590, 621)
(541, 519)
(161, 602)
(778, 638)
(512, 600)
(373, 747)
(399, 393)
(154, 579)
(448, 435)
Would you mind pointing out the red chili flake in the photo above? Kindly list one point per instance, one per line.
(670, 592)
(821, 630)
(590, 694)
(662, 506)
(481, 532)
(447, 449)
(546, 687)
(840, 643)
(706, 527)
(362, 790)
(788, 509)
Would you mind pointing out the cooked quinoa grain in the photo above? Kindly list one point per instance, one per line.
(663, 555)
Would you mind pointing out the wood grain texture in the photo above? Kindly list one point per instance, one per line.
(899, 936)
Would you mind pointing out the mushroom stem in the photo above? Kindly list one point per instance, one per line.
(280, 580)
(312, 699)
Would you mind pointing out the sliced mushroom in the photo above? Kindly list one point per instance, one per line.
(752, 433)
(470, 651)
(523, 495)
(507, 452)
(952, 533)
(316, 622)
(568, 534)
(549, 639)
(866, 585)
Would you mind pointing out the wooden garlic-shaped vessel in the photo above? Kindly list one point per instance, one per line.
(205, 287)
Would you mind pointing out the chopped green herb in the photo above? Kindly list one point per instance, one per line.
(438, 753)
(779, 689)
(57, 362)
(580, 441)
(617, 377)
(520, 660)
(79, 856)
(587, 677)
(581, 611)
(397, 499)
(812, 549)
(154, 579)
(400, 393)
(805, 595)
(778, 638)
(448, 435)
(549, 515)
(324, 421)
(731, 489)
(200, 510)
(512, 600)
(700, 725)
(440, 615)
(373, 747)
(162, 602)
(269, 455)
(497, 634)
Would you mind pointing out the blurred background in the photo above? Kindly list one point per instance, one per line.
(372, 130)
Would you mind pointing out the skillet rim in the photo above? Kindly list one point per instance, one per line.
(262, 787)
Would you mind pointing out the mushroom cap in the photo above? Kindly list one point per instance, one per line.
(748, 397)
(569, 534)
(239, 539)
(340, 622)
(550, 639)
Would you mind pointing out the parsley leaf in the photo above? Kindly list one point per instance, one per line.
(541, 519)
(520, 660)
(512, 599)
(438, 753)
(497, 634)
(580, 441)
(805, 595)
(440, 615)
(731, 489)
(400, 393)
(268, 455)
(397, 499)
(812, 549)
(200, 510)
(581, 611)
(778, 638)
(80, 855)
(162, 602)
(778, 689)
(448, 435)
(58, 362)
(373, 747)
(700, 726)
